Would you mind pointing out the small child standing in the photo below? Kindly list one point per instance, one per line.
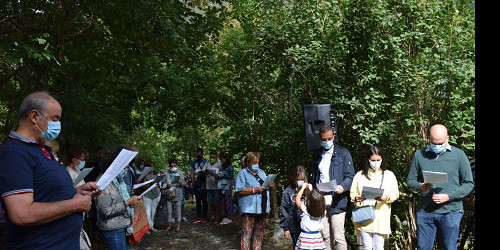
(313, 211)
(289, 212)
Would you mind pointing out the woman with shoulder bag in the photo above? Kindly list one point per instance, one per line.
(174, 202)
(374, 174)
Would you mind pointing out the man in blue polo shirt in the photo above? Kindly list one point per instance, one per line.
(42, 208)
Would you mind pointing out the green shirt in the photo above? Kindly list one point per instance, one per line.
(460, 183)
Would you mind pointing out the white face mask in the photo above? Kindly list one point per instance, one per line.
(375, 164)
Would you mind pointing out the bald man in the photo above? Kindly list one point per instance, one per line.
(43, 209)
(439, 207)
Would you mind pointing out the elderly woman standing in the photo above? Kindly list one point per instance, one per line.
(253, 200)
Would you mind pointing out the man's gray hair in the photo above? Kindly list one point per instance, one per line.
(36, 100)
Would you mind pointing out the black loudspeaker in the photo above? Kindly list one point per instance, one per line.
(315, 115)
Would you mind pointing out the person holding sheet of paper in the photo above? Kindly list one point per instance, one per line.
(439, 208)
(211, 169)
(174, 173)
(76, 162)
(42, 208)
(151, 200)
(115, 209)
(333, 162)
(253, 202)
(374, 174)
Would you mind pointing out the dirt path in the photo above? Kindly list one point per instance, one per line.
(200, 236)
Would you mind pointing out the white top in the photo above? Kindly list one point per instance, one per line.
(324, 166)
(74, 174)
(309, 224)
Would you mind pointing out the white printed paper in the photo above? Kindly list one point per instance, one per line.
(327, 186)
(120, 162)
(213, 171)
(147, 190)
(82, 175)
(269, 179)
(435, 177)
(370, 193)
(136, 186)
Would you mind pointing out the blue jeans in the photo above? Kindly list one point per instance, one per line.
(447, 226)
(116, 239)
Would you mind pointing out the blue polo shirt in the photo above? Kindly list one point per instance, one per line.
(28, 166)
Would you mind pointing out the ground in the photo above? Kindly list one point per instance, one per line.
(200, 236)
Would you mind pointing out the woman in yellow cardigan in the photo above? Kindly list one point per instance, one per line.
(374, 232)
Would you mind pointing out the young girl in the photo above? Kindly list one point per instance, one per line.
(311, 222)
(289, 212)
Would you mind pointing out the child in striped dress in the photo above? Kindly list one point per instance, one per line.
(313, 212)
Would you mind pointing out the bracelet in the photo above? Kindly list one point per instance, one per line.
(253, 191)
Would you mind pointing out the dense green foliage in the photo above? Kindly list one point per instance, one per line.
(171, 76)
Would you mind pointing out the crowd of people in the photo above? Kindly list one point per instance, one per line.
(209, 181)
(43, 207)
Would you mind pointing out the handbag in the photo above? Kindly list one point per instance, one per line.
(170, 194)
(366, 213)
(363, 214)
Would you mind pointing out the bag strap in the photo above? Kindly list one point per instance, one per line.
(382, 181)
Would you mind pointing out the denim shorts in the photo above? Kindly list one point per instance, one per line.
(213, 196)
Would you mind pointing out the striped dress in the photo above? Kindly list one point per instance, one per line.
(310, 237)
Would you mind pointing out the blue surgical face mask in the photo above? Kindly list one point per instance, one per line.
(255, 167)
(438, 148)
(53, 130)
(81, 165)
(300, 183)
(327, 144)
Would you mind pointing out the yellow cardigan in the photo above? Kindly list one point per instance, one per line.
(382, 222)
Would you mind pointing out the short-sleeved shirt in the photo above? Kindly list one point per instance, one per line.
(251, 203)
(28, 166)
(308, 223)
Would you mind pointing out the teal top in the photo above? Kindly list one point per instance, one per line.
(460, 183)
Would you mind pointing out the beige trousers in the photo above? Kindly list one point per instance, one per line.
(333, 224)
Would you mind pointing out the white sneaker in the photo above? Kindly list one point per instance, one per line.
(184, 219)
(225, 221)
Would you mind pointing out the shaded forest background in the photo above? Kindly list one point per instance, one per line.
(170, 76)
